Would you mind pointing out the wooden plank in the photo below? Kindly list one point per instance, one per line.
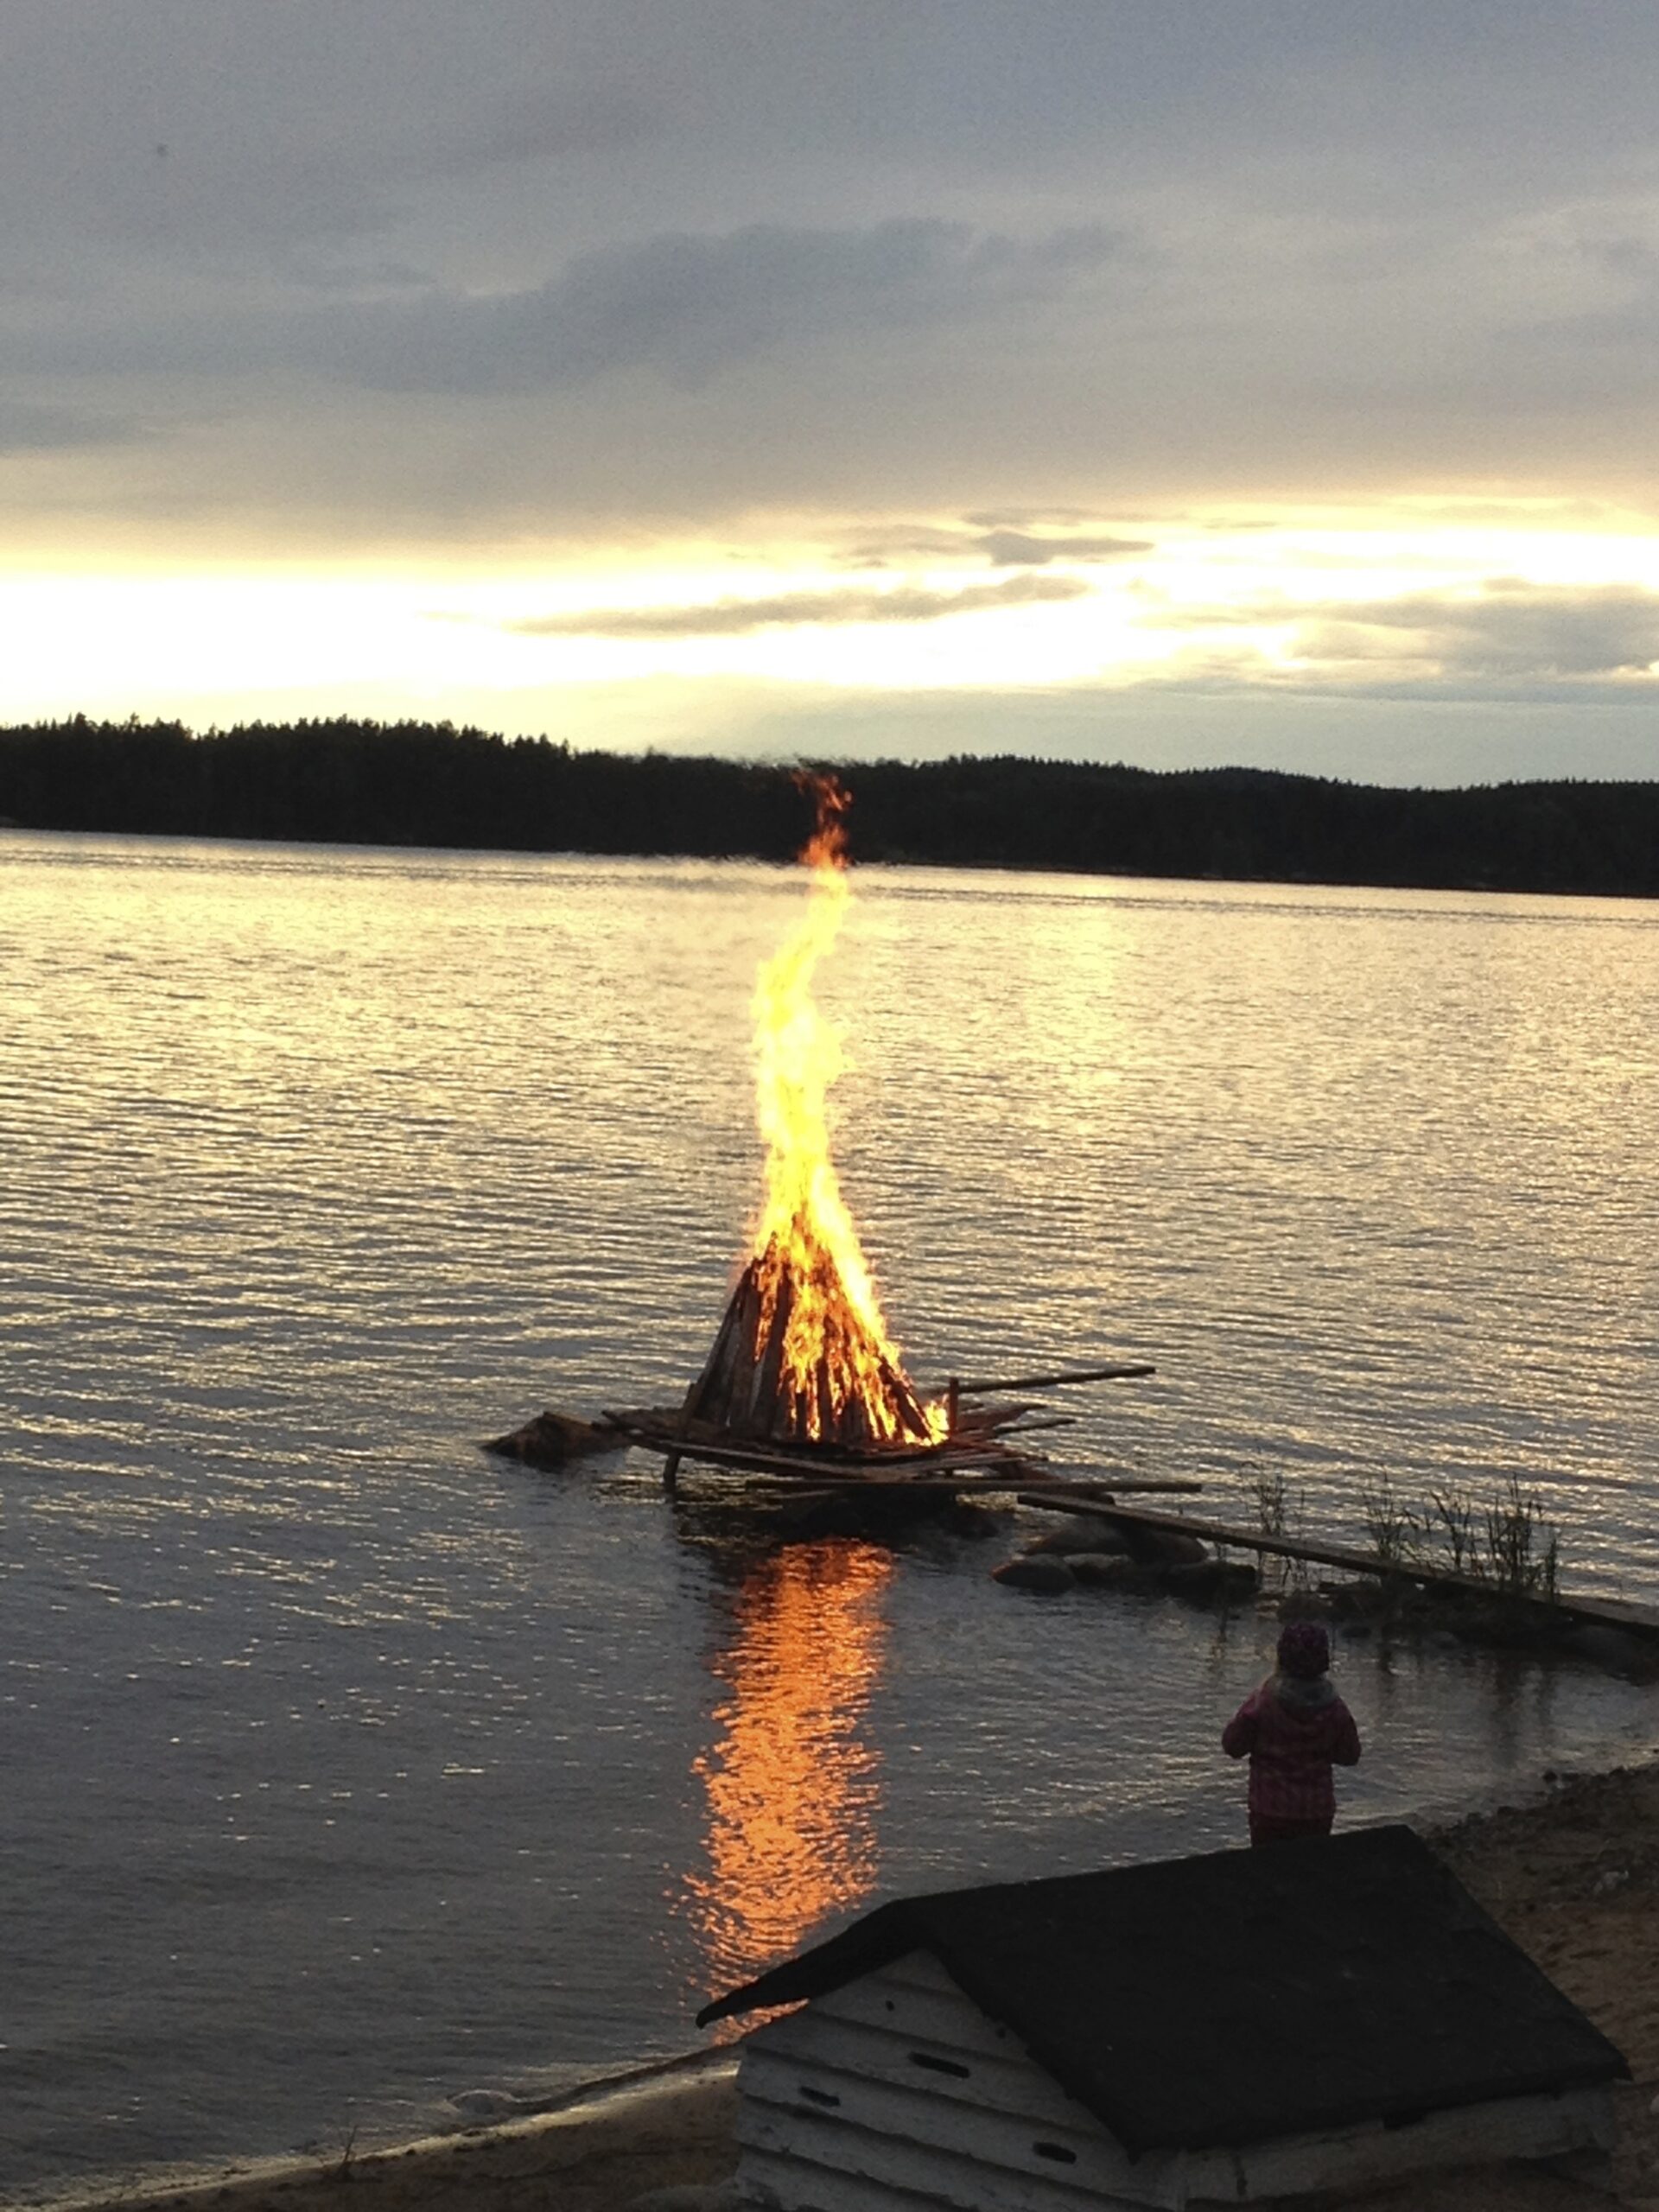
(914, 2112)
(1613, 1612)
(889, 1468)
(1009, 2083)
(921, 1969)
(1121, 1370)
(953, 2175)
(1357, 2158)
(785, 1459)
(947, 1468)
(1089, 1493)
(1066, 1496)
(927, 2016)
(988, 1470)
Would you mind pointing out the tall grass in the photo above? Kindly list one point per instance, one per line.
(1507, 1542)
(1397, 1528)
(1523, 1548)
(1278, 1510)
(1271, 1497)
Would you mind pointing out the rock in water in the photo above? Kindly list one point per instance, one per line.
(1163, 1547)
(1082, 1535)
(552, 1440)
(1097, 1567)
(1612, 1648)
(1047, 1575)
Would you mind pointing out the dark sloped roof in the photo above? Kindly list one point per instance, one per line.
(1240, 1995)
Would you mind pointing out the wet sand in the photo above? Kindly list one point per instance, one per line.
(1574, 1879)
(1575, 1882)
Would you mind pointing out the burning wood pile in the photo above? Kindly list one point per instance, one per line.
(794, 1363)
(801, 1366)
(803, 1377)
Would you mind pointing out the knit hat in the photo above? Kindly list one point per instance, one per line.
(1304, 1650)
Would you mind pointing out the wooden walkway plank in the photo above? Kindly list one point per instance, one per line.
(1609, 1612)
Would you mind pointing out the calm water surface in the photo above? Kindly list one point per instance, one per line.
(346, 1768)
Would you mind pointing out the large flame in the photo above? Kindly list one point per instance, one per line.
(839, 1376)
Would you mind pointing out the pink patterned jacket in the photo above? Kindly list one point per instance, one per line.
(1292, 1746)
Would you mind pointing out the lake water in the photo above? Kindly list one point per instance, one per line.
(348, 1768)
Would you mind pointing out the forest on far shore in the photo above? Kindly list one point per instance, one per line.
(345, 782)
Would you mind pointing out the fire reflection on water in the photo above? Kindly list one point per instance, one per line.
(793, 1789)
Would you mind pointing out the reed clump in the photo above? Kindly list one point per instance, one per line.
(1278, 1510)
(1507, 1540)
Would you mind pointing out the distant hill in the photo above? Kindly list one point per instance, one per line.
(430, 784)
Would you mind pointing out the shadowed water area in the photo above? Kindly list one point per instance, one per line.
(348, 1769)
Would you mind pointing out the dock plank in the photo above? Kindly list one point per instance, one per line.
(1607, 1612)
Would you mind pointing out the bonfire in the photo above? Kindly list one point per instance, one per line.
(803, 1356)
(803, 1377)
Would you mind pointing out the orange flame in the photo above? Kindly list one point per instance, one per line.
(839, 1376)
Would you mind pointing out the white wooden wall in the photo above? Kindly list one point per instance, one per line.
(896, 2093)
(1471, 2135)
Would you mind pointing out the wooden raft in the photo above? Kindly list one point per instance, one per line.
(986, 1441)
(983, 1449)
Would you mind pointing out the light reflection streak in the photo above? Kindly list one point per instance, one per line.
(793, 1788)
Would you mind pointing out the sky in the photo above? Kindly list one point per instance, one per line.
(1223, 381)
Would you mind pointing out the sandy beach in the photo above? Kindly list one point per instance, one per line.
(1572, 1878)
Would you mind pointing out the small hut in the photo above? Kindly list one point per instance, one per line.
(1220, 2030)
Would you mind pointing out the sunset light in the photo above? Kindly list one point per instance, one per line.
(1265, 602)
(618, 417)
(829, 908)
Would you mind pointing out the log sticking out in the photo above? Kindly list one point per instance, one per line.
(854, 1396)
(1120, 1372)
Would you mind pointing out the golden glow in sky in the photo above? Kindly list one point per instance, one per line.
(1091, 378)
(1389, 595)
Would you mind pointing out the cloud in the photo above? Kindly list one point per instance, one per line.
(25, 427)
(1508, 637)
(901, 541)
(678, 305)
(1003, 545)
(687, 306)
(406, 271)
(1018, 549)
(1512, 629)
(733, 618)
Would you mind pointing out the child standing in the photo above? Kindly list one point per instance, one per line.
(1296, 1729)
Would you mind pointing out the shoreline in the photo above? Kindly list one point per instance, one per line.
(603, 2142)
(1481, 877)
(1571, 1876)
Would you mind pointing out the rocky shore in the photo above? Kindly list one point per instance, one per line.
(1573, 1877)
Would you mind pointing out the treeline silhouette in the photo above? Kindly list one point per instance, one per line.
(431, 784)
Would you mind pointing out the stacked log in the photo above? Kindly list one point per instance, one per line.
(744, 1389)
